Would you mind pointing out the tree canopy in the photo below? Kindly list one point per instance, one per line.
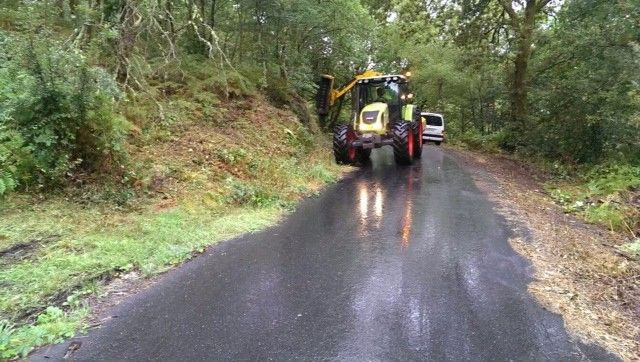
(554, 79)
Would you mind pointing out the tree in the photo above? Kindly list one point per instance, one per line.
(523, 24)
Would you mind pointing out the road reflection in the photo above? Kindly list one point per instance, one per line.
(364, 203)
(371, 201)
(408, 212)
(370, 222)
(378, 206)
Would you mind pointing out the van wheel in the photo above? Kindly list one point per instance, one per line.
(438, 143)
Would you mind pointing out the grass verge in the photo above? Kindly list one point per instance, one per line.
(606, 195)
(191, 184)
(46, 289)
(43, 292)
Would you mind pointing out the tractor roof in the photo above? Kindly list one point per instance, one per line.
(384, 78)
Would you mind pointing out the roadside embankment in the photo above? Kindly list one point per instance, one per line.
(191, 183)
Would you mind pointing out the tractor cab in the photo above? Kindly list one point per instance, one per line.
(391, 90)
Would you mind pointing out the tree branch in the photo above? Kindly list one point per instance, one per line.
(542, 4)
(508, 7)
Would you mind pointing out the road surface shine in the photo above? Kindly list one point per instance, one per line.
(392, 263)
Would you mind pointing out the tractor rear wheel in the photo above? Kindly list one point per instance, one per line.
(402, 142)
(417, 138)
(343, 150)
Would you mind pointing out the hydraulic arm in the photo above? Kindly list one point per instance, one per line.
(328, 95)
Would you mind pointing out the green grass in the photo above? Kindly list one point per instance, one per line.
(632, 248)
(80, 245)
(149, 242)
(100, 246)
(52, 326)
(605, 196)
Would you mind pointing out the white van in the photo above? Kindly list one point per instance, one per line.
(434, 132)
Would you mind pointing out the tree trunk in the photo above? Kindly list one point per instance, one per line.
(73, 4)
(170, 20)
(126, 40)
(523, 25)
(212, 14)
(60, 6)
(203, 15)
(440, 91)
(521, 65)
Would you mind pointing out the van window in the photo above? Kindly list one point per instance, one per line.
(434, 121)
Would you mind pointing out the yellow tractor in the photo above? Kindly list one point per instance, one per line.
(382, 114)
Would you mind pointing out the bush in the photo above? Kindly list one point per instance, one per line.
(242, 193)
(15, 157)
(491, 142)
(613, 178)
(58, 115)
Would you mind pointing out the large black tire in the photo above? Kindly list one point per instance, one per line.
(341, 145)
(416, 126)
(437, 143)
(402, 142)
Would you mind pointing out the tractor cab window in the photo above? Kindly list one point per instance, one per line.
(389, 92)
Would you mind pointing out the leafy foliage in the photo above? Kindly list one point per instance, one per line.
(59, 116)
(607, 195)
(586, 92)
(52, 326)
(581, 83)
(13, 154)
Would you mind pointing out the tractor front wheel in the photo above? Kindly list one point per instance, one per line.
(402, 142)
(417, 138)
(343, 150)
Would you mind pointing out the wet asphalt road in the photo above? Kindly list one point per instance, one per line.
(393, 263)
